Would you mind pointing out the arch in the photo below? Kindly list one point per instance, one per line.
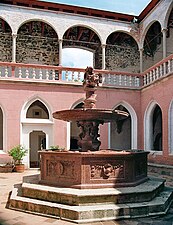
(39, 20)
(167, 15)
(29, 125)
(134, 144)
(69, 124)
(34, 35)
(3, 129)
(2, 18)
(85, 26)
(125, 32)
(124, 46)
(30, 102)
(149, 126)
(170, 127)
(84, 36)
(146, 30)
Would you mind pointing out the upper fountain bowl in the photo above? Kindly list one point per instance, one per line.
(104, 115)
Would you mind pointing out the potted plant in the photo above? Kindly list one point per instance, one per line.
(17, 153)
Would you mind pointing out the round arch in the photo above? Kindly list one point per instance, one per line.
(35, 20)
(134, 143)
(125, 32)
(170, 8)
(146, 30)
(85, 26)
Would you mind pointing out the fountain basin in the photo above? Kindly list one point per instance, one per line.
(105, 115)
(91, 170)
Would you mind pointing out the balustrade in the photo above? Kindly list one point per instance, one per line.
(25, 72)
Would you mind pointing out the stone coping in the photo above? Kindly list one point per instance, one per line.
(149, 186)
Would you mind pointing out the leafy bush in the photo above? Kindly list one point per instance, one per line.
(17, 153)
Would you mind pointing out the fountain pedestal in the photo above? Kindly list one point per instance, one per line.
(100, 169)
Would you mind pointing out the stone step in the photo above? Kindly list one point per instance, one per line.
(143, 192)
(91, 213)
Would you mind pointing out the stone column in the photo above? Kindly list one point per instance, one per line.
(60, 52)
(141, 59)
(103, 57)
(14, 36)
(164, 31)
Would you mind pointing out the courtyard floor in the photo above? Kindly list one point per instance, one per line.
(12, 217)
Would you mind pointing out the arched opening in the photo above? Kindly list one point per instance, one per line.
(1, 129)
(37, 42)
(120, 47)
(157, 129)
(5, 42)
(37, 110)
(36, 130)
(84, 38)
(170, 34)
(120, 132)
(153, 127)
(74, 131)
(37, 140)
(153, 52)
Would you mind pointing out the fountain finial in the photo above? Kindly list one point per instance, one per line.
(91, 81)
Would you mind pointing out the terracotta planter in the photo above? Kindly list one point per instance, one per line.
(19, 168)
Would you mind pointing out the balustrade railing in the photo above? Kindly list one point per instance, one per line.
(159, 70)
(45, 73)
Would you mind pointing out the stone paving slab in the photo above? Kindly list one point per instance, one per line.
(11, 217)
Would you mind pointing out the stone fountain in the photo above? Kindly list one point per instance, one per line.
(91, 184)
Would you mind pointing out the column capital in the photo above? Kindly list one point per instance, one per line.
(103, 45)
(60, 40)
(14, 35)
(164, 30)
(141, 49)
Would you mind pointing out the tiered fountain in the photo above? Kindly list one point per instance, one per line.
(119, 178)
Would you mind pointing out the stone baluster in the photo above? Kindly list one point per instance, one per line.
(109, 78)
(66, 75)
(161, 71)
(53, 74)
(144, 80)
(33, 73)
(169, 66)
(78, 77)
(136, 81)
(148, 78)
(125, 80)
(154, 74)
(40, 74)
(151, 76)
(164, 68)
(47, 74)
(72, 76)
(157, 72)
(130, 80)
(20, 72)
(120, 80)
(115, 79)
(27, 73)
(6, 71)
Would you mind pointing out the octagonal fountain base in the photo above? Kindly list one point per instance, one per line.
(97, 186)
(99, 169)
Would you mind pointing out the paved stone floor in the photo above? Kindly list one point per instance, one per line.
(12, 217)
